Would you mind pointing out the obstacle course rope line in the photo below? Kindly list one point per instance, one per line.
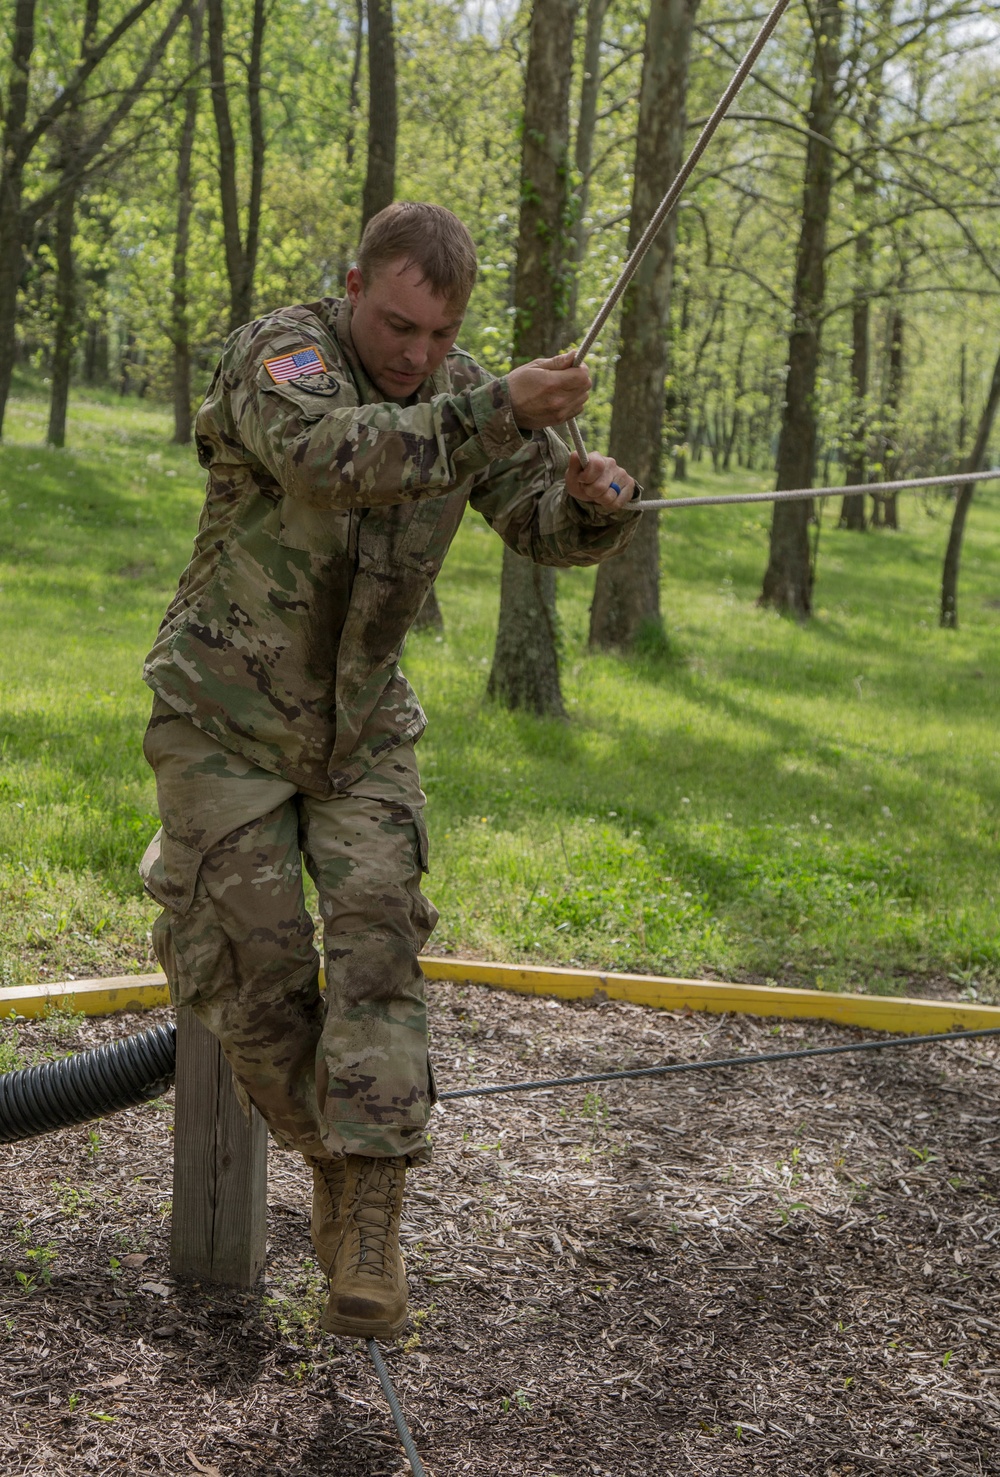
(670, 199)
(389, 1390)
(711, 500)
(715, 1063)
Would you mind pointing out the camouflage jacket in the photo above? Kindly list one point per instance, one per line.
(327, 514)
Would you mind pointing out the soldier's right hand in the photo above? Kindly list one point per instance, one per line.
(547, 392)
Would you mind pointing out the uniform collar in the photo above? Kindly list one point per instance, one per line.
(339, 313)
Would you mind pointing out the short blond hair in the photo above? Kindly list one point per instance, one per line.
(427, 237)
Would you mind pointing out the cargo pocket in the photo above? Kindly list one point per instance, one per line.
(424, 914)
(420, 826)
(188, 939)
(169, 872)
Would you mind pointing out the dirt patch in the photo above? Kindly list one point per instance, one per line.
(772, 1270)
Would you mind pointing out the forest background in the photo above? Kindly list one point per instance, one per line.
(812, 800)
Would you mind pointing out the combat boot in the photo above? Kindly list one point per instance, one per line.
(367, 1279)
(329, 1176)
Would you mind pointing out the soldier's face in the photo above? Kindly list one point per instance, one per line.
(401, 328)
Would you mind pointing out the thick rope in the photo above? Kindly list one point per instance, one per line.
(712, 500)
(670, 199)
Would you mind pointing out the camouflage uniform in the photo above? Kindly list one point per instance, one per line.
(282, 723)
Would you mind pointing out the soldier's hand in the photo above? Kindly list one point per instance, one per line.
(601, 481)
(547, 392)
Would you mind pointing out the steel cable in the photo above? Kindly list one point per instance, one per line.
(670, 199)
(385, 1380)
(714, 1064)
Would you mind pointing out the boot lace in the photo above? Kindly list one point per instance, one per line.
(375, 1212)
(332, 1171)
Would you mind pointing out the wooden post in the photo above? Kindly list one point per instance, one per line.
(219, 1223)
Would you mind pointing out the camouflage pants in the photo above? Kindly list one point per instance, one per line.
(349, 1074)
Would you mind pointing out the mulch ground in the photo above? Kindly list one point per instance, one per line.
(783, 1270)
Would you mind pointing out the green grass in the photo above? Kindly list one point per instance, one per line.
(817, 805)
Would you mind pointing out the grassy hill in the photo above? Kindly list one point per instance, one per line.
(815, 805)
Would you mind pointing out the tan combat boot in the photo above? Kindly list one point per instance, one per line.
(329, 1176)
(367, 1279)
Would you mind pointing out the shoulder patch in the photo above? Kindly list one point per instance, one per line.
(294, 366)
(317, 384)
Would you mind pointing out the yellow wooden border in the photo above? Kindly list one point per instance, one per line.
(92, 997)
(873, 1012)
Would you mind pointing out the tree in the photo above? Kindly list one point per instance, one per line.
(963, 501)
(240, 246)
(788, 577)
(525, 672)
(380, 180)
(886, 510)
(69, 140)
(869, 88)
(583, 148)
(21, 138)
(180, 330)
(627, 592)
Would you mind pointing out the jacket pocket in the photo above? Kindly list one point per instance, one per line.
(169, 872)
(431, 528)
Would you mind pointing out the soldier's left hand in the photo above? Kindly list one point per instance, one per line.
(601, 481)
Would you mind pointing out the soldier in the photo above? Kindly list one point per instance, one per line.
(342, 441)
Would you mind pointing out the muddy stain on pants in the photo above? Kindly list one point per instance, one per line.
(349, 1074)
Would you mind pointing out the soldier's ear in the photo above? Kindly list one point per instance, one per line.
(355, 285)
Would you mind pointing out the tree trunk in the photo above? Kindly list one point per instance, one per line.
(380, 180)
(789, 576)
(95, 352)
(12, 160)
(65, 318)
(886, 507)
(180, 333)
(355, 83)
(677, 400)
(953, 553)
(852, 509)
(583, 151)
(627, 592)
(525, 672)
(64, 340)
(240, 251)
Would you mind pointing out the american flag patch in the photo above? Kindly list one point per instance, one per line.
(292, 366)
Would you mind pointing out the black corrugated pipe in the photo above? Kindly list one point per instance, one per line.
(76, 1089)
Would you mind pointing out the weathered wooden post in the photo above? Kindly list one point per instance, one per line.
(219, 1223)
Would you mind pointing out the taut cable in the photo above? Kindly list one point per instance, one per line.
(714, 500)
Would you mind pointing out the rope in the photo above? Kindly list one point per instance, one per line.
(718, 1062)
(669, 201)
(388, 1389)
(875, 488)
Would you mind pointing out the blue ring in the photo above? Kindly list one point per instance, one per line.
(615, 487)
